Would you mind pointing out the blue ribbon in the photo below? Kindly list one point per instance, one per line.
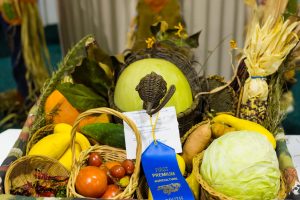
(163, 174)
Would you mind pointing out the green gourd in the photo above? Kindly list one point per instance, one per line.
(106, 133)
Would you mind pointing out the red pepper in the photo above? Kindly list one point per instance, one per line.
(46, 194)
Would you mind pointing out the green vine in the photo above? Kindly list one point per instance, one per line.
(73, 57)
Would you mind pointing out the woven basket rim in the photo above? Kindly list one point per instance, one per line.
(185, 136)
(101, 149)
(133, 183)
(30, 142)
(27, 158)
(211, 191)
(142, 181)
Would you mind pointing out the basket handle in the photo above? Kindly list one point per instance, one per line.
(104, 110)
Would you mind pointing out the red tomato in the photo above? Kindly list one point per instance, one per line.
(111, 164)
(117, 171)
(109, 180)
(128, 166)
(91, 181)
(94, 159)
(111, 191)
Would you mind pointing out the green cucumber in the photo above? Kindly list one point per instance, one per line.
(106, 133)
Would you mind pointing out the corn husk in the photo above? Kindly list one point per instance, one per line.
(34, 48)
(265, 49)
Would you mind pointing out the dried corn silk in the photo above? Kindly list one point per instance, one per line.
(265, 49)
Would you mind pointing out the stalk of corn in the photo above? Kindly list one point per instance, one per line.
(266, 47)
(34, 49)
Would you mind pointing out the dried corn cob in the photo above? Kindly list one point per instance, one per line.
(265, 49)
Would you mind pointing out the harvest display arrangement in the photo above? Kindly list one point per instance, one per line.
(75, 140)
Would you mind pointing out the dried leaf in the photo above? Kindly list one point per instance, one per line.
(90, 74)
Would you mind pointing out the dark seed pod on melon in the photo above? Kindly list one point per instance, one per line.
(152, 88)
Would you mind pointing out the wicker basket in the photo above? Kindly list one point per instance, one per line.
(209, 193)
(38, 135)
(182, 59)
(108, 153)
(142, 190)
(22, 170)
(194, 127)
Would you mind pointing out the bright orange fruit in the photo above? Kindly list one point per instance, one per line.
(58, 108)
(103, 118)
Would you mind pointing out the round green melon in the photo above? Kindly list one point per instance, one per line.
(127, 98)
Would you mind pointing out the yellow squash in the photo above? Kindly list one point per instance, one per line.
(56, 144)
(242, 124)
(53, 146)
(194, 185)
(65, 129)
(66, 159)
(219, 129)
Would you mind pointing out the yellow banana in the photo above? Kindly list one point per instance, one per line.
(65, 129)
(53, 146)
(242, 124)
(66, 159)
(194, 185)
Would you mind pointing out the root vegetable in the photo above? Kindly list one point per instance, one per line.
(196, 142)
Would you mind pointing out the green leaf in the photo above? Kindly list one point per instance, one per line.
(90, 74)
(81, 97)
(291, 9)
(8, 11)
(95, 53)
(155, 28)
(117, 63)
(193, 40)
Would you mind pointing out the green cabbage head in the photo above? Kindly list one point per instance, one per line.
(242, 165)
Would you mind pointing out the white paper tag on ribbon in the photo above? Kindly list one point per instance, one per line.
(166, 130)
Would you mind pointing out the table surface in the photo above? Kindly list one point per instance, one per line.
(8, 138)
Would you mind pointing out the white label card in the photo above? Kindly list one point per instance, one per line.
(166, 130)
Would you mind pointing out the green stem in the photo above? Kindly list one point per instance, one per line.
(286, 164)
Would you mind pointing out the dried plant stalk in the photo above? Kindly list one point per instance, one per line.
(265, 49)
